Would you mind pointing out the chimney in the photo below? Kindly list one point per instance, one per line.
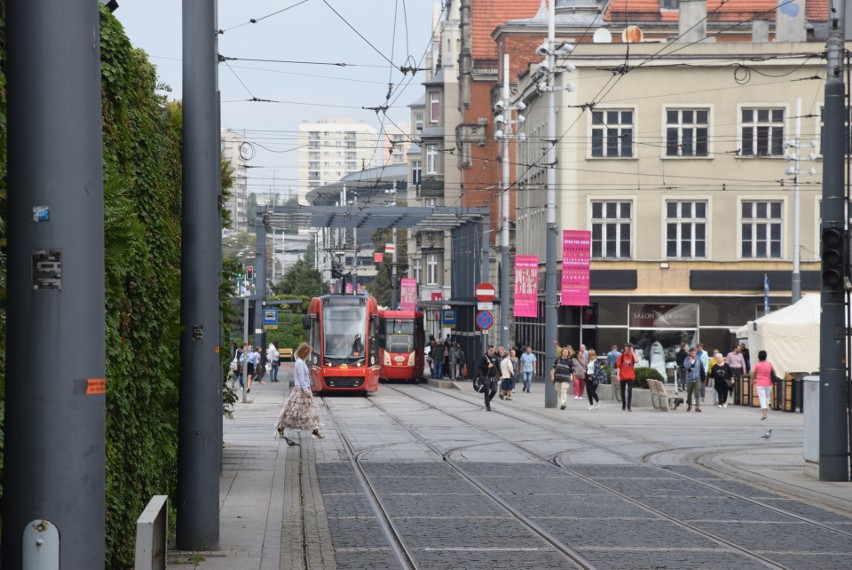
(692, 22)
(760, 31)
(790, 21)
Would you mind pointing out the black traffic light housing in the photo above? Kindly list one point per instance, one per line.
(336, 270)
(249, 272)
(833, 258)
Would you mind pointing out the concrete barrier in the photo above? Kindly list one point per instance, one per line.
(152, 529)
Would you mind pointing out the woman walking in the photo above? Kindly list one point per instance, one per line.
(762, 374)
(561, 375)
(299, 411)
(592, 377)
(721, 375)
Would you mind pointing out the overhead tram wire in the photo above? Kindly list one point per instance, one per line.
(256, 20)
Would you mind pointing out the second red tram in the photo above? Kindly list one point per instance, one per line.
(343, 332)
(402, 342)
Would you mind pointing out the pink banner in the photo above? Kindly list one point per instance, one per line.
(576, 255)
(408, 294)
(526, 286)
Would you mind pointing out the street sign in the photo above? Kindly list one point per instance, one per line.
(484, 320)
(488, 306)
(270, 316)
(484, 292)
(449, 318)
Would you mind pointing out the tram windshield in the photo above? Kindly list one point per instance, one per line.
(344, 328)
(400, 343)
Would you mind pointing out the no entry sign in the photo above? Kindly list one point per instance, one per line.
(484, 292)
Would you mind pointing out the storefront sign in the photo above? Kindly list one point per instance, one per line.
(683, 316)
(526, 286)
(576, 257)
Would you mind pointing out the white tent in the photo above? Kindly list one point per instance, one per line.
(790, 336)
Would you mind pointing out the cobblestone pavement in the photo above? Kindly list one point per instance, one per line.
(639, 490)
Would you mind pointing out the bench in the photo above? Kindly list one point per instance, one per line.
(285, 353)
(664, 399)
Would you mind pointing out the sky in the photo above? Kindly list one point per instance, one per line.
(313, 31)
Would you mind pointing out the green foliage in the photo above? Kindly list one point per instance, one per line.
(300, 280)
(642, 375)
(289, 333)
(142, 190)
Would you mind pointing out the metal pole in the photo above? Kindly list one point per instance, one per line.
(394, 281)
(244, 396)
(200, 405)
(260, 284)
(833, 434)
(550, 315)
(486, 225)
(504, 207)
(55, 407)
(796, 282)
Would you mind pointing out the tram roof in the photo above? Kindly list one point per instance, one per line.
(371, 218)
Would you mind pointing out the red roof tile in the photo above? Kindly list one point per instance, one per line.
(486, 15)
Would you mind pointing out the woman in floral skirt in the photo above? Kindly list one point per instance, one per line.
(299, 411)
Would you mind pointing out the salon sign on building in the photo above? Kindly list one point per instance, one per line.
(648, 316)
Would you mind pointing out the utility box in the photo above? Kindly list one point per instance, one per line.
(810, 407)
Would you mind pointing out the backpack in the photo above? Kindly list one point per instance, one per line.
(599, 374)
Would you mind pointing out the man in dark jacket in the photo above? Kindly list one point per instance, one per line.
(680, 358)
(489, 371)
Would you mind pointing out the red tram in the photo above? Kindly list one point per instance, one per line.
(343, 331)
(401, 342)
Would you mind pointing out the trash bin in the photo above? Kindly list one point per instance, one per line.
(798, 404)
(783, 392)
(745, 391)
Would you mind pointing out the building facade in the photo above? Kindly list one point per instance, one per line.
(330, 148)
(237, 201)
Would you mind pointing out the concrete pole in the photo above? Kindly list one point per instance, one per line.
(833, 433)
(796, 281)
(244, 396)
(551, 336)
(200, 406)
(504, 210)
(55, 406)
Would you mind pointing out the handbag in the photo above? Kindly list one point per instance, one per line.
(479, 385)
(774, 377)
(234, 364)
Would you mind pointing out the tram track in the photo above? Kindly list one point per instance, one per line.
(405, 556)
(392, 534)
(554, 459)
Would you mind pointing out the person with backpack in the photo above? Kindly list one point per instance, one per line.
(595, 376)
(489, 369)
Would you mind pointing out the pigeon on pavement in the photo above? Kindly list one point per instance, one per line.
(767, 435)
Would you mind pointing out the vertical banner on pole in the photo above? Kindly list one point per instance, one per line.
(408, 294)
(526, 286)
(576, 256)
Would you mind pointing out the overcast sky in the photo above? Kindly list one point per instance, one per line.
(295, 30)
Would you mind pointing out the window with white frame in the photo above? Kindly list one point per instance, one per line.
(416, 269)
(686, 229)
(687, 132)
(612, 133)
(669, 4)
(431, 159)
(434, 107)
(761, 229)
(611, 221)
(432, 269)
(762, 131)
(416, 171)
(418, 122)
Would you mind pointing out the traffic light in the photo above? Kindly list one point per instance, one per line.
(249, 272)
(336, 272)
(833, 258)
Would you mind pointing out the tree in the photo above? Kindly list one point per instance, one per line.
(301, 279)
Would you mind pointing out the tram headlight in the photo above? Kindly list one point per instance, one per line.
(411, 359)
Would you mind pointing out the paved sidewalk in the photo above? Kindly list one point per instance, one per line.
(256, 507)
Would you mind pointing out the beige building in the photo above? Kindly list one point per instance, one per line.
(332, 147)
(673, 157)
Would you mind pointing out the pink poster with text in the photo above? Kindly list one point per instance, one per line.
(408, 294)
(576, 256)
(526, 285)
